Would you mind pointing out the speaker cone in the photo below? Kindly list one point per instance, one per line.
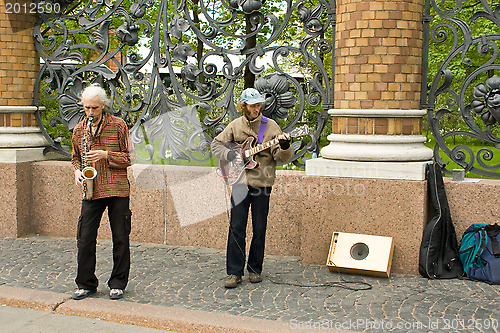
(359, 251)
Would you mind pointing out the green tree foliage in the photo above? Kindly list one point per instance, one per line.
(273, 18)
(449, 33)
(54, 129)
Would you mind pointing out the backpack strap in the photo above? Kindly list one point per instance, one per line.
(492, 231)
(483, 241)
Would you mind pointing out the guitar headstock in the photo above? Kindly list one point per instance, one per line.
(303, 130)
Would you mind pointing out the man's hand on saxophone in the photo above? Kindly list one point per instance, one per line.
(78, 178)
(92, 157)
(96, 155)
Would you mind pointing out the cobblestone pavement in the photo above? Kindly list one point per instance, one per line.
(302, 295)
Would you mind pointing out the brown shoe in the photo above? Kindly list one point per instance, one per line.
(254, 277)
(232, 281)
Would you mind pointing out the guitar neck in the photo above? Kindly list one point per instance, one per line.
(261, 147)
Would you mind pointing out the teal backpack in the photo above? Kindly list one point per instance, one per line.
(480, 252)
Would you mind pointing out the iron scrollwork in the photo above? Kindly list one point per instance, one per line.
(470, 99)
(189, 95)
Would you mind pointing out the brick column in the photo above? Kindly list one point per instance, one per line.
(377, 124)
(21, 140)
(19, 61)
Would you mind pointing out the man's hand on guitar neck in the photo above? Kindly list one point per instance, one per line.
(284, 141)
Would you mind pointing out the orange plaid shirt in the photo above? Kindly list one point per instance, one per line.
(114, 137)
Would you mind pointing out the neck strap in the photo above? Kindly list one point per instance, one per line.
(262, 129)
(98, 127)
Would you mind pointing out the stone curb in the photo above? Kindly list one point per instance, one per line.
(146, 315)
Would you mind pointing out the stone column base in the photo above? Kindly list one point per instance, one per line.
(377, 148)
(22, 155)
(16, 137)
(357, 169)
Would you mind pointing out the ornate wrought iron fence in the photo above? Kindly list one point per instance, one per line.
(200, 54)
(463, 92)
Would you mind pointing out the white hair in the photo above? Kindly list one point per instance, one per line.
(95, 90)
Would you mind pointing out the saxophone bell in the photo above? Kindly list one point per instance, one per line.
(89, 172)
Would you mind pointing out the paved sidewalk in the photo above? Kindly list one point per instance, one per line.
(180, 288)
(19, 320)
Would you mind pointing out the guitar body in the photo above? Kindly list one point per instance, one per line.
(231, 172)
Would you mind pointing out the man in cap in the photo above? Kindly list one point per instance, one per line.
(254, 189)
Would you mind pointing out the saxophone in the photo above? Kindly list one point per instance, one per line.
(88, 171)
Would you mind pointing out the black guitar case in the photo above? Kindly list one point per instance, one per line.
(439, 258)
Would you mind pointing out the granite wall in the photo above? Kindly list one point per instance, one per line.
(15, 198)
(188, 207)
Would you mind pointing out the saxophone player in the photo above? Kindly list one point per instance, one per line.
(101, 140)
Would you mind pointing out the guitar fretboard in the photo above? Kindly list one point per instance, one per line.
(298, 132)
(261, 147)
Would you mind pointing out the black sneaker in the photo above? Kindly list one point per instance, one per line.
(82, 293)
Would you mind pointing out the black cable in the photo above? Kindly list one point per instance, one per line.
(340, 284)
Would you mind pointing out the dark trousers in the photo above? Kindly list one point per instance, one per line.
(242, 198)
(88, 224)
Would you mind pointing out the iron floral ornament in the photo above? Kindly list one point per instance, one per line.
(487, 96)
(181, 91)
(486, 104)
(278, 99)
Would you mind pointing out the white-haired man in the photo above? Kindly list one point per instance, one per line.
(110, 154)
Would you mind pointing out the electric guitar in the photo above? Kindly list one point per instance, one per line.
(231, 171)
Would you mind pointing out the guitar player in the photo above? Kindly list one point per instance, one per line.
(254, 188)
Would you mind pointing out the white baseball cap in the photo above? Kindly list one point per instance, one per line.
(251, 96)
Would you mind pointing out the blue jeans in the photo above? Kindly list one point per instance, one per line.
(242, 198)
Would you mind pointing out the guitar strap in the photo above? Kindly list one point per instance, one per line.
(262, 129)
